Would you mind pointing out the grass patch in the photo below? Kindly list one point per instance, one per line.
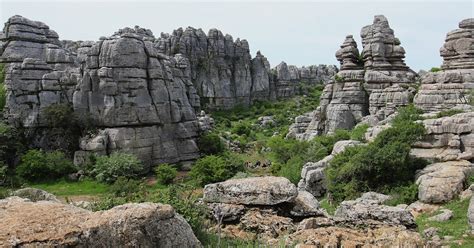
(64, 188)
(456, 227)
(325, 204)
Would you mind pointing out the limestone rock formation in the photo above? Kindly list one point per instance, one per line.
(251, 191)
(447, 138)
(470, 214)
(375, 82)
(451, 87)
(225, 74)
(35, 195)
(442, 182)
(365, 211)
(46, 223)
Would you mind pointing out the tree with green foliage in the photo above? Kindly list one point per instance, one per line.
(210, 143)
(37, 165)
(109, 168)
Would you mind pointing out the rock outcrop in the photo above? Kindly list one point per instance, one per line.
(452, 86)
(46, 223)
(225, 75)
(375, 82)
(470, 214)
(143, 100)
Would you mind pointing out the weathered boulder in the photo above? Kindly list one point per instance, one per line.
(266, 223)
(305, 204)
(205, 121)
(46, 223)
(450, 87)
(35, 195)
(442, 182)
(368, 210)
(335, 236)
(226, 212)
(445, 215)
(251, 191)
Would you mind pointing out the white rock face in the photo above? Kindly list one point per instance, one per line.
(251, 191)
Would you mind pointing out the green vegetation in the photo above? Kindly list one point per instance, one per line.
(211, 143)
(329, 207)
(67, 188)
(358, 133)
(382, 164)
(456, 227)
(450, 112)
(212, 168)
(110, 168)
(37, 165)
(165, 173)
(435, 69)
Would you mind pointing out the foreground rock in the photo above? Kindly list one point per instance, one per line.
(46, 223)
(251, 191)
(368, 210)
(442, 182)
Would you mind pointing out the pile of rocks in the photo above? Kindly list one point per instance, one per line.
(50, 223)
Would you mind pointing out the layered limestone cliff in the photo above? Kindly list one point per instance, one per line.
(141, 101)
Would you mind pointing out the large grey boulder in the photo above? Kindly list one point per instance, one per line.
(305, 204)
(251, 191)
(442, 182)
(368, 210)
(46, 223)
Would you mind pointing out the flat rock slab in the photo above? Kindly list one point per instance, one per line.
(251, 191)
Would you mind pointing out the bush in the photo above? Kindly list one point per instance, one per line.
(211, 143)
(125, 187)
(242, 128)
(358, 133)
(165, 173)
(11, 143)
(403, 194)
(450, 112)
(292, 169)
(283, 150)
(382, 164)
(435, 69)
(37, 165)
(110, 168)
(211, 169)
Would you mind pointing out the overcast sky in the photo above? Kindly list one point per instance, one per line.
(300, 33)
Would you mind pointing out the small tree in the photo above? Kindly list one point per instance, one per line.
(37, 165)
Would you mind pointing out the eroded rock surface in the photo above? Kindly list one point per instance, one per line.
(46, 223)
(450, 87)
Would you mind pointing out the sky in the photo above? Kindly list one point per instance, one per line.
(297, 32)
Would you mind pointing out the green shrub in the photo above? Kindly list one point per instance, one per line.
(165, 173)
(407, 114)
(60, 115)
(110, 168)
(382, 164)
(403, 194)
(242, 128)
(449, 112)
(358, 133)
(316, 151)
(292, 169)
(125, 187)
(11, 144)
(37, 165)
(211, 143)
(435, 69)
(211, 169)
(283, 150)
